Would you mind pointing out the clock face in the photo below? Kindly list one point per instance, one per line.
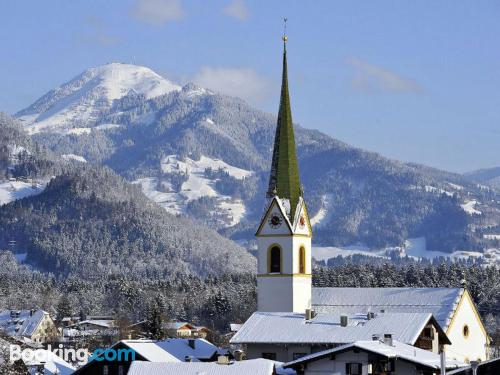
(275, 221)
(302, 221)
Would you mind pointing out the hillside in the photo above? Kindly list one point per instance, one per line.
(488, 176)
(83, 220)
(166, 144)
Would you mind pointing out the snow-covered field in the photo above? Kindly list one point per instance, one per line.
(13, 190)
(79, 158)
(324, 213)
(196, 186)
(469, 207)
(414, 247)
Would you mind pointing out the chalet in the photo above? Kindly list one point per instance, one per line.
(172, 350)
(184, 330)
(34, 325)
(284, 336)
(370, 357)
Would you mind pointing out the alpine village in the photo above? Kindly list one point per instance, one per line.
(284, 311)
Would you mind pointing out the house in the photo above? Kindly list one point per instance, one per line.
(371, 357)
(172, 350)
(251, 367)
(184, 329)
(453, 308)
(94, 325)
(285, 336)
(34, 325)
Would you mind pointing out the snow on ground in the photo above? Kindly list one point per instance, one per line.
(432, 189)
(14, 190)
(79, 158)
(491, 236)
(469, 207)
(326, 252)
(84, 98)
(455, 186)
(197, 185)
(324, 213)
(413, 247)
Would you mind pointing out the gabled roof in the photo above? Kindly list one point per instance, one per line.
(21, 322)
(288, 328)
(398, 350)
(173, 350)
(441, 302)
(278, 203)
(249, 367)
(177, 325)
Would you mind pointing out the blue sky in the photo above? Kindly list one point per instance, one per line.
(415, 81)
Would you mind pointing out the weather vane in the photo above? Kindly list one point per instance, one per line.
(285, 37)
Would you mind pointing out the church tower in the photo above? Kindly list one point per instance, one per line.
(284, 234)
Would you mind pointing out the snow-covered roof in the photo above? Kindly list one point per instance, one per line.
(97, 322)
(281, 327)
(177, 325)
(249, 367)
(19, 323)
(397, 350)
(52, 363)
(172, 350)
(441, 302)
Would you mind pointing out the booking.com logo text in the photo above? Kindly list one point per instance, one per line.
(80, 356)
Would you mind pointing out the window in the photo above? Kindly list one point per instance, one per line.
(275, 260)
(302, 260)
(353, 368)
(465, 331)
(271, 356)
(298, 355)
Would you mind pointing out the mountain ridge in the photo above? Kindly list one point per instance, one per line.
(366, 197)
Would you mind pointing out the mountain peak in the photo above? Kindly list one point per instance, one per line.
(79, 102)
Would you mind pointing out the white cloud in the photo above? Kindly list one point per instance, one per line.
(372, 78)
(244, 83)
(237, 9)
(157, 12)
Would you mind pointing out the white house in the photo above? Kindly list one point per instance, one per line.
(371, 357)
(35, 325)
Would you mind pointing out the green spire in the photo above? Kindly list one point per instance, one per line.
(284, 180)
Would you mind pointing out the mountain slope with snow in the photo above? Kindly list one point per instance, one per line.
(353, 196)
(80, 102)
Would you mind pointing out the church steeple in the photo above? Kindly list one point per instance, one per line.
(284, 180)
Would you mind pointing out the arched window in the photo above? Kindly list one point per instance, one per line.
(302, 260)
(275, 260)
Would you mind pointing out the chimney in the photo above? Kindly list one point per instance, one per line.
(375, 337)
(223, 360)
(370, 315)
(343, 320)
(188, 358)
(238, 355)
(192, 343)
(308, 315)
(388, 339)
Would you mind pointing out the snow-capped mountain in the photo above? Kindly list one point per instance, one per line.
(80, 102)
(190, 140)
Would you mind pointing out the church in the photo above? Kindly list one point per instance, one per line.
(296, 320)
